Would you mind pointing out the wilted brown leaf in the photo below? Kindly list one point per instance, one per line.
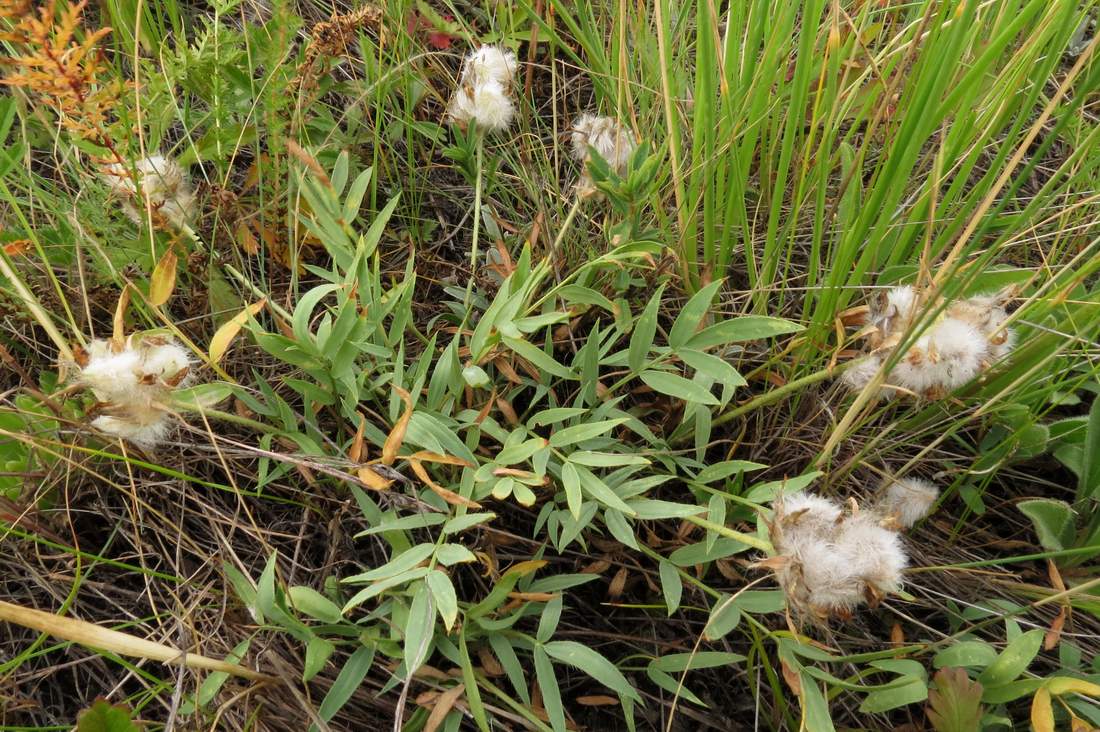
(442, 707)
(397, 434)
(447, 495)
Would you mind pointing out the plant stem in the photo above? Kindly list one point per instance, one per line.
(36, 309)
(466, 302)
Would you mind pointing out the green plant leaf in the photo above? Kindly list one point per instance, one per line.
(314, 604)
(592, 663)
(419, 629)
(691, 315)
(444, 594)
(1088, 486)
(1013, 660)
(571, 482)
(882, 700)
(745, 328)
(582, 432)
(548, 685)
(678, 387)
(346, 683)
(672, 586)
(1053, 521)
(318, 651)
(724, 617)
(954, 702)
(548, 621)
(670, 684)
(105, 717)
(645, 329)
(968, 654)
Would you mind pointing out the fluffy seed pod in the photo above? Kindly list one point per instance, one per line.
(133, 381)
(166, 184)
(950, 352)
(829, 563)
(907, 500)
(483, 93)
(604, 135)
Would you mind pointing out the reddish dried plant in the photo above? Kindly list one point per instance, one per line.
(53, 61)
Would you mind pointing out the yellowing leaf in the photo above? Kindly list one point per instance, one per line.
(163, 280)
(397, 434)
(247, 239)
(442, 707)
(373, 479)
(124, 644)
(425, 456)
(355, 452)
(447, 495)
(219, 343)
(1042, 712)
(118, 333)
(1064, 685)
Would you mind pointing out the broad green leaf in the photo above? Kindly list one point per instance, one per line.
(347, 682)
(620, 528)
(606, 459)
(650, 509)
(548, 621)
(1013, 660)
(678, 387)
(671, 685)
(467, 522)
(744, 328)
(449, 554)
(318, 651)
(1089, 482)
(724, 617)
(444, 594)
(645, 329)
(548, 685)
(402, 563)
(314, 604)
(592, 663)
(595, 487)
(1053, 521)
(105, 717)
(716, 368)
(420, 629)
(723, 470)
(405, 523)
(672, 587)
(582, 432)
(571, 482)
(538, 357)
(504, 652)
(761, 601)
(675, 663)
(968, 654)
(882, 700)
(691, 315)
(814, 705)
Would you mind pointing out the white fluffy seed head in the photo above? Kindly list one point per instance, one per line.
(908, 500)
(489, 63)
(604, 135)
(162, 180)
(875, 553)
(487, 104)
(893, 311)
(828, 563)
(133, 380)
(143, 434)
(859, 374)
(798, 514)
